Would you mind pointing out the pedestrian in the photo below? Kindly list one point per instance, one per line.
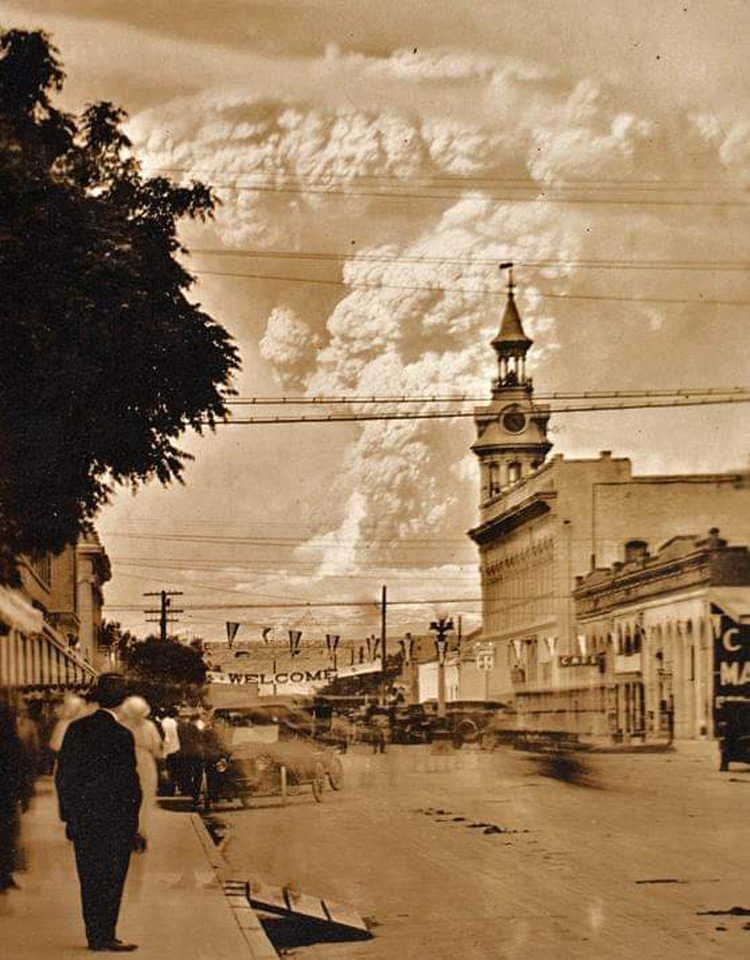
(100, 796)
(191, 741)
(171, 746)
(11, 789)
(28, 734)
(148, 750)
(73, 708)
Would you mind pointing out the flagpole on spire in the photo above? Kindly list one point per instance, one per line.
(508, 265)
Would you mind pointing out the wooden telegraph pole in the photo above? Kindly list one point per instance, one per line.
(383, 653)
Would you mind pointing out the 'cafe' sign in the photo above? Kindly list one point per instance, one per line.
(579, 660)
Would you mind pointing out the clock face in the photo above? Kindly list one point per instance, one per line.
(514, 421)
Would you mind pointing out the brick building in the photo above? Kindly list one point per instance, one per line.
(645, 636)
(545, 522)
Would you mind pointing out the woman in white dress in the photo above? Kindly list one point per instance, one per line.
(148, 749)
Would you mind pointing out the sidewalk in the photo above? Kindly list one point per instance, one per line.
(174, 907)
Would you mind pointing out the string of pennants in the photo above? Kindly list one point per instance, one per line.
(373, 644)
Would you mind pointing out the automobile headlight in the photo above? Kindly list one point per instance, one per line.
(222, 766)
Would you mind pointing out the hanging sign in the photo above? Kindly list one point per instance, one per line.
(579, 660)
(731, 654)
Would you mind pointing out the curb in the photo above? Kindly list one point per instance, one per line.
(246, 918)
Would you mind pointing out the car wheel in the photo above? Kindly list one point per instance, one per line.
(319, 781)
(336, 773)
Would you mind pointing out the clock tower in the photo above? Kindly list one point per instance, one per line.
(512, 429)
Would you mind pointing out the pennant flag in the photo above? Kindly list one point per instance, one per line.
(332, 642)
(232, 629)
(582, 643)
(551, 643)
(264, 633)
(368, 641)
(375, 647)
(295, 636)
(518, 649)
(361, 654)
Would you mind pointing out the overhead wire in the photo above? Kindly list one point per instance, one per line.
(472, 291)
(605, 182)
(538, 193)
(374, 257)
(479, 398)
(457, 414)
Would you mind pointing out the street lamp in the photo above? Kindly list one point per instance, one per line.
(441, 627)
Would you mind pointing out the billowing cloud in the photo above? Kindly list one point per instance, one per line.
(287, 345)
(436, 200)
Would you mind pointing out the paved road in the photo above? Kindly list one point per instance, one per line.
(574, 876)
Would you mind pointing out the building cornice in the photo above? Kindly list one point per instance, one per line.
(534, 506)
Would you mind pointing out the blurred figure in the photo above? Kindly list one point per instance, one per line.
(11, 787)
(148, 751)
(28, 734)
(171, 747)
(190, 732)
(72, 708)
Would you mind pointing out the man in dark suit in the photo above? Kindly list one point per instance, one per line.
(100, 796)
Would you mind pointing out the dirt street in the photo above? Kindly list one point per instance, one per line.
(474, 855)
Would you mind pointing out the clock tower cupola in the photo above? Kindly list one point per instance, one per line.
(512, 429)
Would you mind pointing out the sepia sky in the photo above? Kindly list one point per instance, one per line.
(586, 135)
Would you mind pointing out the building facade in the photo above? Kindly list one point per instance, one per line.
(647, 627)
(545, 522)
(49, 627)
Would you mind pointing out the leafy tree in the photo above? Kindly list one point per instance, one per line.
(104, 360)
(164, 671)
(113, 637)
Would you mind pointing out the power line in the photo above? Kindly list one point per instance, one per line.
(353, 257)
(703, 301)
(466, 178)
(508, 600)
(538, 194)
(282, 541)
(456, 414)
(481, 398)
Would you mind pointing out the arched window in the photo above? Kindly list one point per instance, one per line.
(628, 642)
(514, 471)
(637, 639)
(494, 479)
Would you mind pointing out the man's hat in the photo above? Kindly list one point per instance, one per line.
(110, 690)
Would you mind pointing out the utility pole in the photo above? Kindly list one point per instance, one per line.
(383, 606)
(165, 610)
(441, 627)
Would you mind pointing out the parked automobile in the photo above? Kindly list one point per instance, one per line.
(253, 770)
(468, 719)
(413, 724)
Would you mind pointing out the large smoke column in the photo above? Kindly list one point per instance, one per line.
(396, 330)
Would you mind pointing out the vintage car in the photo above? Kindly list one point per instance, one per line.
(413, 724)
(264, 769)
(468, 719)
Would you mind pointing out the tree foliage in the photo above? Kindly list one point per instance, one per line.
(104, 361)
(163, 662)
